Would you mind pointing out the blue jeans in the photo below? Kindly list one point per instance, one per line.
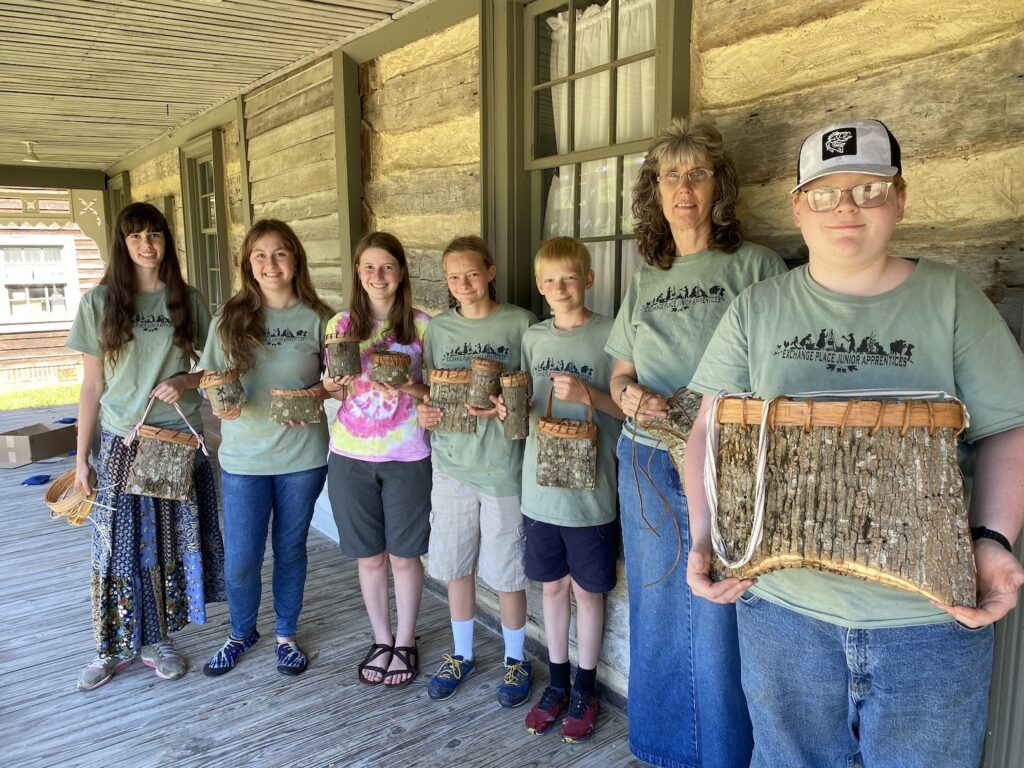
(686, 706)
(826, 696)
(248, 502)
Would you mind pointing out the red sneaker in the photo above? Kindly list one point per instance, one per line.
(579, 723)
(553, 702)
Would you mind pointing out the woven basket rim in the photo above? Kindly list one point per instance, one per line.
(335, 338)
(515, 379)
(212, 378)
(568, 429)
(397, 359)
(451, 375)
(277, 392)
(169, 436)
(853, 412)
(485, 365)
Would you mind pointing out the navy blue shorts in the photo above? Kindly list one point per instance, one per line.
(587, 554)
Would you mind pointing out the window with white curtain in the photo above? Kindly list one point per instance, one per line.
(593, 97)
(38, 280)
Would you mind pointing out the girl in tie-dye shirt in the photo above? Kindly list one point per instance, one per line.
(379, 473)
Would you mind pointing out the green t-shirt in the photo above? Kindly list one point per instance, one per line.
(580, 353)
(487, 461)
(667, 316)
(935, 331)
(149, 358)
(255, 444)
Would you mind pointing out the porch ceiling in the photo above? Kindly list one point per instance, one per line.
(91, 81)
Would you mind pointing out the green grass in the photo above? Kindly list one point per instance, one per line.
(38, 397)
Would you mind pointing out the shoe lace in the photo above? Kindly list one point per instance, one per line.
(450, 668)
(550, 697)
(165, 651)
(579, 704)
(514, 673)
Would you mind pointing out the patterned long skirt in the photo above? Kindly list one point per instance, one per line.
(155, 563)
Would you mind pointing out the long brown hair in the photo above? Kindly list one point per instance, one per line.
(242, 328)
(473, 244)
(683, 142)
(119, 279)
(401, 321)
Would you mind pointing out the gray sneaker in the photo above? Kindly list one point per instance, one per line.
(100, 670)
(164, 659)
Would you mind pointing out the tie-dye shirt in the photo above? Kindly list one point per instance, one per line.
(373, 424)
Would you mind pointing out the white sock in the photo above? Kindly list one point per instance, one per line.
(514, 640)
(462, 631)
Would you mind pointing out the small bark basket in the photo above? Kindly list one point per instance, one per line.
(390, 368)
(290, 405)
(515, 392)
(164, 460)
(223, 390)
(343, 358)
(486, 381)
(448, 391)
(860, 487)
(674, 430)
(567, 451)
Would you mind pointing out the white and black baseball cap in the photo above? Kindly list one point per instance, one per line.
(855, 146)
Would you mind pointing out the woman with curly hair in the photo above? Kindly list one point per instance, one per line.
(271, 332)
(686, 707)
(156, 562)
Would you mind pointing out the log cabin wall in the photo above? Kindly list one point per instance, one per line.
(946, 82)
(289, 129)
(232, 153)
(158, 181)
(421, 149)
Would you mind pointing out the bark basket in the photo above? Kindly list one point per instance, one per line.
(390, 368)
(485, 381)
(674, 430)
(567, 451)
(865, 488)
(163, 464)
(515, 391)
(448, 391)
(343, 355)
(223, 390)
(295, 405)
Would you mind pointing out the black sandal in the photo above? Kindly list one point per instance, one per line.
(376, 651)
(408, 655)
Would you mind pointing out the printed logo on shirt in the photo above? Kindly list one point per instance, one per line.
(675, 299)
(845, 352)
(275, 337)
(466, 352)
(839, 142)
(151, 323)
(550, 365)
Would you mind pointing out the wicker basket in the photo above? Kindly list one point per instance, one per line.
(64, 501)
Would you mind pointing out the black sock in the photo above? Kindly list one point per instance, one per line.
(560, 675)
(586, 680)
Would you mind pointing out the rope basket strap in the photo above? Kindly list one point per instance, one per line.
(450, 375)
(166, 435)
(213, 378)
(515, 379)
(393, 359)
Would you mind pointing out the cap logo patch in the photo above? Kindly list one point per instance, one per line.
(840, 142)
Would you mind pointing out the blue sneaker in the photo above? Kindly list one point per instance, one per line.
(290, 659)
(449, 676)
(227, 656)
(515, 689)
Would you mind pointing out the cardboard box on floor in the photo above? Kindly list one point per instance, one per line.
(36, 442)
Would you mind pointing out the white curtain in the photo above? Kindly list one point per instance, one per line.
(634, 119)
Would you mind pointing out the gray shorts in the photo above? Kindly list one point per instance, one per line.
(471, 531)
(380, 506)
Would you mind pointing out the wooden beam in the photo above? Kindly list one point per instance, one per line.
(243, 159)
(51, 178)
(408, 26)
(349, 162)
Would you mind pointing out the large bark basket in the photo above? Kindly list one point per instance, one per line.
(865, 488)
(674, 430)
(449, 389)
(163, 465)
(567, 451)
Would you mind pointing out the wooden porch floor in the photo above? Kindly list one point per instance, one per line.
(252, 716)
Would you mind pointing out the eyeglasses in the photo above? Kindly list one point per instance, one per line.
(672, 179)
(870, 195)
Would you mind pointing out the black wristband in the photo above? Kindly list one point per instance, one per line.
(981, 532)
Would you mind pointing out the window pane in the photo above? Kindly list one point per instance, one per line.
(601, 298)
(631, 261)
(558, 184)
(598, 187)
(552, 45)
(634, 101)
(593, 34)
(208, 212)
(206, 177)
(591, 111)
(636, 27)
(630, 170)
(552, 120)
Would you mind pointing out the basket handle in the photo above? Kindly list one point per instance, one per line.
(590, 403)
(130, 437)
